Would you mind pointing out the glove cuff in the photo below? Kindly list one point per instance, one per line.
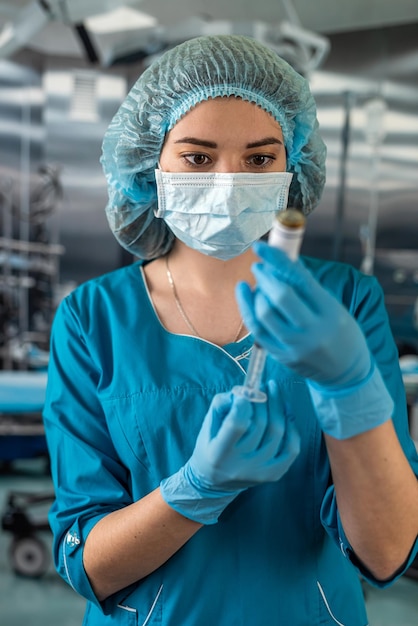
(200, 505)
(352, 410)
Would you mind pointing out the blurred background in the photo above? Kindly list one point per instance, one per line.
(65, 67)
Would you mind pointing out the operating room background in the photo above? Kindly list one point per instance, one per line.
(54, 109)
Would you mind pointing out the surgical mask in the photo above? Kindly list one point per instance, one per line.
(220, 215)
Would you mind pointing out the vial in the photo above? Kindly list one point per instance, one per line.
(287, 232)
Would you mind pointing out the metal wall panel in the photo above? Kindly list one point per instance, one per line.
(21, 154)
(79, 104)
(56, 110)
(365, 178)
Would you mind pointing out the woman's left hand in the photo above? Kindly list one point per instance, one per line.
(309, 331)
(301, 324)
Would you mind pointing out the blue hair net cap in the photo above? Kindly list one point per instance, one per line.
(194, 71)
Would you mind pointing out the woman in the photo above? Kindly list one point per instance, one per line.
(177, 501)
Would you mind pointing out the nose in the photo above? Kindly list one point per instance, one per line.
(229, 164)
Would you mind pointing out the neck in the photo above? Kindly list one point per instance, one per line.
(206, 274)
(203, 293)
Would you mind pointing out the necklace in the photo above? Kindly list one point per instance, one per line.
(183, 312)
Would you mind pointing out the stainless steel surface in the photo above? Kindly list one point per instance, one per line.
(58, 35)
(363, 66)
(55, 107)
(74, 127)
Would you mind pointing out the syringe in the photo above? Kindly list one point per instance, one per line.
(286, 234)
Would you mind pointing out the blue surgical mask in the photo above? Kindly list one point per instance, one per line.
(220, 215)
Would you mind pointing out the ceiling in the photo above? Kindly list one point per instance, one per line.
(64, 27)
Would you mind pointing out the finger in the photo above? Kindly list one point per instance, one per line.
(287, 451)
(255, 323)
(258, 316)
(278, 260)
(279, 463)
(277, 285)
(219, 408)
(283, 300)
(276, 426)
(293, 273)
(276, 409)
(290, 449)
(252, 438)
(281, 330)
(235, 423)
(245, 300)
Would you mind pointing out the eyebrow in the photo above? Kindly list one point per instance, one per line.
(266, 141)
(197, 142)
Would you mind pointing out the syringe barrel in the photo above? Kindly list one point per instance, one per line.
(286, 234)
(255, 367)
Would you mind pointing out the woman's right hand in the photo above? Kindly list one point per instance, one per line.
(241, 444)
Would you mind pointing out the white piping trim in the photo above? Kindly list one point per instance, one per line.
(131, 610)
(244, 355)
(321, 591)
(126, 608)
(185, 334)
(148, 617)
(64, 555)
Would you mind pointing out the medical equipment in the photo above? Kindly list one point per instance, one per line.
(22, 436)
(286, 234)
(22, 396)
(25, 517)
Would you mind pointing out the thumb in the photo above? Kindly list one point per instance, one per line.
(245, 298)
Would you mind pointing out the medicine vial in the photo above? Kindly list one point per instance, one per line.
(287, 232)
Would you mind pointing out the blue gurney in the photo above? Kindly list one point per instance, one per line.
(22, 397)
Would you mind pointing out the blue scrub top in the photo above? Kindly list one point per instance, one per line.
(125, 402)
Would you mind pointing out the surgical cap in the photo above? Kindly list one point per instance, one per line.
(194, 71)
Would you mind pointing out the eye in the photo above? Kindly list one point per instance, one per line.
(196, 158)
(260, 160)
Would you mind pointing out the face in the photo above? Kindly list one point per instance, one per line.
(225, 135)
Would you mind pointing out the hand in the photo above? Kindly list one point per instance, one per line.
(301, 324)
(304, 327)
(241, 444)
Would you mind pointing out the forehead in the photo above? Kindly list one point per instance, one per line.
(222, 114)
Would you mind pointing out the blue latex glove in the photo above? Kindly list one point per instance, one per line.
(241, 444)
(304, 327)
